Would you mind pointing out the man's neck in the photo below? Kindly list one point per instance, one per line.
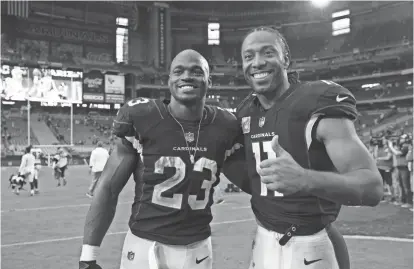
(186, 112)
(267, 100)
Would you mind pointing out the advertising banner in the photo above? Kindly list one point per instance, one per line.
(115, 84)
(114, 98)
(114, 88)
(99, 55)
(65, 34)
(19, 83)
(93, 87)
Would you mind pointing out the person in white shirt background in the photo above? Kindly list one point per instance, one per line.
(27, 169)
(37, 153)
(61, 165)
(97, 162)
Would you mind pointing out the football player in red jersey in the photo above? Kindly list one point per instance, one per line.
(175, 150)
(304, 159)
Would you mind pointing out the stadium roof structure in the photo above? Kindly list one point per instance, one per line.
(282, 6)
(229, 6)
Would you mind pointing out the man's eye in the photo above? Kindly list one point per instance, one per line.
(247, 57)
(198, 72)
(177, 72)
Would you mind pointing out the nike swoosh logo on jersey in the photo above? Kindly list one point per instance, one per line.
(199, 261)
(310, 262)
(340, 99)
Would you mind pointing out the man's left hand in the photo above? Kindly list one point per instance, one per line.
(282, 174)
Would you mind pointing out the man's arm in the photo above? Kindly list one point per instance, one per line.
(118, 169)
(394, 150)
(235, 170)
(92, 159)
(358, 181)
(385, 158)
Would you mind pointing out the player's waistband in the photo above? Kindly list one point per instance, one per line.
(294, 229)
(189, 246)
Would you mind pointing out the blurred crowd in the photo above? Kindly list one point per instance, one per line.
(394, 156)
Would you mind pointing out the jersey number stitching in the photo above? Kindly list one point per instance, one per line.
(138, 101)
(267, 148)
(330, 83)
(180, 167)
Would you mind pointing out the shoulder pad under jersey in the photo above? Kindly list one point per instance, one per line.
(224, 118)
(135, 116)
(329, 99)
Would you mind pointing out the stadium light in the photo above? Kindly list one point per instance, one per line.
(320, 3)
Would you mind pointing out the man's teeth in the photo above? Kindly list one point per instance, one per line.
(261, 75)
(187, 87)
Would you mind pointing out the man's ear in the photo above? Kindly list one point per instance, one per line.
(286, 61)
(210, 82)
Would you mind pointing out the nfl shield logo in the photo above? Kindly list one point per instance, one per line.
(130, 255)
(189, 137)
(246, 125)
(262, 121)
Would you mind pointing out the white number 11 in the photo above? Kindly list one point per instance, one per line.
(267, 148)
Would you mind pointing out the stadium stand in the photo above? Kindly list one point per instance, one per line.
(362, 57)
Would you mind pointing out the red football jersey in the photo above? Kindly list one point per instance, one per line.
(294, 118)
(173, 197)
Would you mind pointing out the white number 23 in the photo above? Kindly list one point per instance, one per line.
(180, 168)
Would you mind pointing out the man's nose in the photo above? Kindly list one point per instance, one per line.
(187, 76)
(258, 61)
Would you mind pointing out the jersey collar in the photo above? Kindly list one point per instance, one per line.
(209, 113)
(280, 100)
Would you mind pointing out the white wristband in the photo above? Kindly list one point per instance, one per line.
(89, 253)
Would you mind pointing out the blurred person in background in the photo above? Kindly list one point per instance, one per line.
(401, 174)
(410, 166)
(27, 168)
(37, 153)
(384, 164)
(35, 90)
(60, 164)
(14, 86)
(99, 157)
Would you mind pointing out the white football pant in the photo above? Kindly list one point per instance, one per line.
(36, 171)
(139, 253)
(300, 252)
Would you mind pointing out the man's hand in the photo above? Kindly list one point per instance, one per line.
(89, 265)
(282, 174)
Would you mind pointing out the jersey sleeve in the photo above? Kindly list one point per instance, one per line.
(123, 127)
(335, 101)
